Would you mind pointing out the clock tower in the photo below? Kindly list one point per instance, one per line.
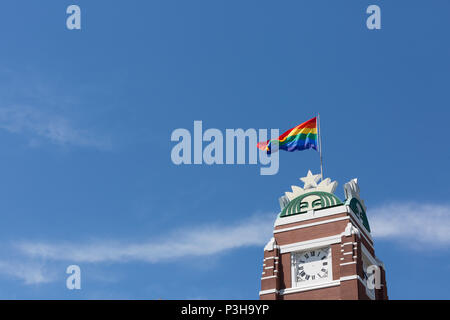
(322, 247)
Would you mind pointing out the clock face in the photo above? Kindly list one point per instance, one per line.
(312, 265)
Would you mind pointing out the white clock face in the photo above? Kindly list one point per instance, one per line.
(312, 265)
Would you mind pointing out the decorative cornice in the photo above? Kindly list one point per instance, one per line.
(310, 224)
(332, 283)
(309, 244)
(349, 230)
(272, 244)
(311, 214)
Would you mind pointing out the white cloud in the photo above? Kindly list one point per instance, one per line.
(413, 223)
(29, 273)
(416, 225)
(54, 128)
(206, 240)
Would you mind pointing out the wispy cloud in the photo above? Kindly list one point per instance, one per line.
(412, 223)
(29, 272)
(409, 223)
(416, 225)
(200, 241)
(51, 127)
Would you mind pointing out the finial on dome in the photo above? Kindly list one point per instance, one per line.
(310, 185)
(310, 180)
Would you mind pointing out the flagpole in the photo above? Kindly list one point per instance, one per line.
(320, 146)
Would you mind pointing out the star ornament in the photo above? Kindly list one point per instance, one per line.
(310, 180)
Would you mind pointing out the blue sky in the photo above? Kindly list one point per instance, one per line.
(86, 118)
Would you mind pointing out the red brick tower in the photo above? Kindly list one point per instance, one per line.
(322, 247)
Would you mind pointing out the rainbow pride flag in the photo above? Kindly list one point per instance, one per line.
(301, 137)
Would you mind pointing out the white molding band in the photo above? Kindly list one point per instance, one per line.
(310, 244)
(269, 277)
(311, 214)
(332, 283)
(311, 224)
(268, 291)
(347, 243)
(268, 258)
(352, 277)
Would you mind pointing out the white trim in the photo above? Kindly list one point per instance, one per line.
(352, 277)
(271, 245)
(354, 222)
(369, 294)
(310, 244)
(345, 253)
(268, 258)
(268, 268)
(332, 283)
(346, 263)
(311, 224)
(269, 277)
(323, 213)
(268, 291)
(310, 287)
(311, 214)
(319, 286)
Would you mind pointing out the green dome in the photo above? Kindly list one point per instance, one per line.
(298, 205)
